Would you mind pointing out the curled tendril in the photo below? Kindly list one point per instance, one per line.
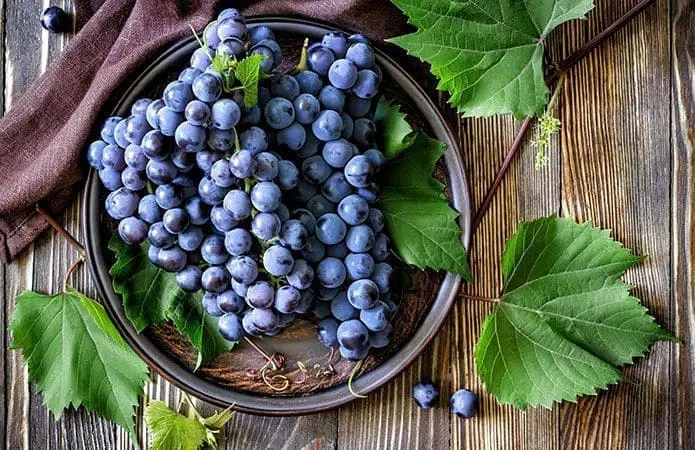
(303, 371)
(354, 374)
(267, 380)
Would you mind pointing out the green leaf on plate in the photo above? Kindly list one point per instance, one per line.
(421, 224)
(249, 73)
(487, 53)
(151, 296)
(566, 321)
(76, 356)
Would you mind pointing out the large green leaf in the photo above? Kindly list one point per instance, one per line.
(151, 296)
(487, 53)
(422, 226)
(566, 322)
(76, 356)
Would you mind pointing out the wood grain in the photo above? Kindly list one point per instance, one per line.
(624, 158)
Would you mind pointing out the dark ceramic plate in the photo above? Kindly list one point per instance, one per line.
(233, 378)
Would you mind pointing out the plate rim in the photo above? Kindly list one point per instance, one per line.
(325, 399)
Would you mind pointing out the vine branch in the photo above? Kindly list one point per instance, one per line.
(62, 231)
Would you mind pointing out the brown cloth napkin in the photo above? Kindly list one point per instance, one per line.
(43, 136)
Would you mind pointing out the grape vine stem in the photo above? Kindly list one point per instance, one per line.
(563, 67)
(62, 231)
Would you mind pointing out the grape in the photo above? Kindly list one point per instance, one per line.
(55, 20)
(367, 84)
(221, 174)
(132, 230)
(354, 210)
(309, 82)
(343, 74)
(292, 137)
(229, 12)
(314, 250)
(304, 191)
(233, 47)
(285, 320)
(278, 260)
(359, 238)
(119, 134)
(187, 184)
(168, 196)
(327, 332)
(140, 106)
(122, 203)
(206, 87)
(315, 170)
(354, 355)
(220, 140)
(336, 188)
(198, 113)
(338, 250)
(110, 178)
(108, 128)
(425, 394)
(152, 110)
(230, 26)
(172, 259)
(328, 126)
(382, 338)
(160, 172)
(94, 154)
(255, 140)
(375, 157)
(189, 278)
(311, 145)
(149, 210)
(368, 193)
(237, 241)
(189, 137)
(198, 211)
(283, 213)
(331, 272)
(243, 269)
(176, 220)
(361, 54)
(206, 158)
(222, 219)
(464, 403)
(211, 193)
(238, 204)
(363, 294)
(264, 319)
(284, 86)
(191, 239)
(319, 205)
(260, 295)
(319, 59)
(359, 265)
(133, 155)
(342, 309)
(210, 36)
(187, 76)
(383, 273)
(231, 327)
(357, 107)
(365, 133)
(155, 145)
(332, 98)
(215, 279)
(200, 59)
(294, 235)
(133, 179)
(135, 128)
(168, 120)
(279, 113)
(327, 294)
(375, 318)
(380, 250)
(242, 164)
(176, 96)
(249, 327)
(265, 196)
(337, 153)
(225, 114)
(306, 302)
(306, 217)
(266, 166)
(288, 175)
(265, 226)
(358, 171)
(287, 299)
(337, 42)
(272, 45)
(112, 157)
(230, 302)
(353, 335)
(307, 108)
(301, 276)
(330, 229)
(210, 305)
(160, 237)
(257, 34)
(358, 38)
(213, 250)
(348, 126)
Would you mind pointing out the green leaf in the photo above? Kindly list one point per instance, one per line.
(422, 226)
(151, 296)
(566, 321)
(76, 356)
(487, 53)
(249, 73)
(170, 430)
(400, 134)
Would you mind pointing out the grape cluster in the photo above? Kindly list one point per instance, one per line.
(277, 219)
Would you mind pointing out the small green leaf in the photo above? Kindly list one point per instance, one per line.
(151, 296)
(487, 53)
(400, 134)
(76, 356)
(170, 430)
(422, 226)
(566, 322)
(249, 73)
(218, 420)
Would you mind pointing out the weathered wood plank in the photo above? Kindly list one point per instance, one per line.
(683, 212)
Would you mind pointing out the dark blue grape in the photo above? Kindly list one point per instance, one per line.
(191, 239)
(332, 98)
(206, 87)
(258, 33)
(249, 327)
(220, 140)
(113, 157)
(266, 196)
(242, 164)
(134, 157)
(222, 219)
(330, 229)
(337, 42)
(353, 335)
(233, 47)
(206, 158)
(348, 126)
(255, 140)
(215, 279)
(225, 114)
(221, 174)
(187, 76)
(367, 84)
(327, 331)
(320, 59)
(354, 210)
(198, 211)
(363, 294)
(306, 217)
(287, 299)
(266, 166)
(230, 302)
(211, 193)
(55, 20)
(365, 133)
(342, 309)
(210, 304)
(464, 403)
(94, 154)
(320, 205)
(168, 196)
(110, 178)
(337, 153)
(169, 120)
(331, 272)
(140, 106)
(343, 74)
(149, 210)
(189, 137)
(382, 338)
(228, 26)
(133, 179)
(265, 226)
(380, 250)
(315, 170)
(264, 319)
(309, 82)
(292, 137)
(197, 113)
(260, 295)
(108, 128)
(368, 193)
(132, 230)
(327, 294)
(328, 126)
(361, 54)
(294, 235)
(230, 327)
(301, 276)
(359, 238)
(237, 241)
(336, 188)
(284, 86)
(119, 134)
(375, 220)
(314, 250)
(307, 108)
(238, 203)
(359, 265)
(200, 59)
(172, 259)
(288, 175)
(426, 394)
(375, 318)
(376, 157)
(279, 113)
(278, 260)
(243, 269)
(382, 276)
(357, 107)
(135, 128)
(160, 237)
(176, 220)
(156, 146)
(213, 250)
(210, 36)
(122, 203)
(176, 96)
(188, 279)
(359, 171)
(274, 46)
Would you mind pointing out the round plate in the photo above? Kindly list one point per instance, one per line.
(227, 380)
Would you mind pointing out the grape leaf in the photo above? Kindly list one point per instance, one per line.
(400, 134)
(152, 296)
(171, 430)
(566, 321)
(421, 224)
(487, 53)
(249, 73)
(76, 356)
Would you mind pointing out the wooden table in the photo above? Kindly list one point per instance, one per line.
(624, 158)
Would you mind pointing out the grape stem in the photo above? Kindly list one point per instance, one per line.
(481, 299)
(61, 231)
(265, 354)
(563, 67)
(354, 374)
(302, 65)
(71, 269)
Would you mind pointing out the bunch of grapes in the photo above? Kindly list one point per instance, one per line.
(277, 219)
